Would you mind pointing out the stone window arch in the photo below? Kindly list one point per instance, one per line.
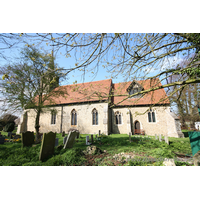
(94, 117)
(73, 117)
(151, 116)
(53, 116)
(118, 117)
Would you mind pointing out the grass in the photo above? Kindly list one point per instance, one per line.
(11, 154)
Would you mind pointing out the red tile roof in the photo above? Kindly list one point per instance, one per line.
(83, 92)
(150, 98)
(99, 90)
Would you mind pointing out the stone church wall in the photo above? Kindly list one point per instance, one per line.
(150, 128)
(84, 118)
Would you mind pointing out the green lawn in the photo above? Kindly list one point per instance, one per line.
(12, 154)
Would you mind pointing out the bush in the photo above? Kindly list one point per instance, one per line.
(9, 127)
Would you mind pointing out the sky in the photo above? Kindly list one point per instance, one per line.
(77, 76)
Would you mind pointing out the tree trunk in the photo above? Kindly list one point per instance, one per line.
(37, 125)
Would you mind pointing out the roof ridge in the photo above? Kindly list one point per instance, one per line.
(85, 82)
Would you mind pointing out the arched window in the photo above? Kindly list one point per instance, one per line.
(118, 117)
(53, 117)
(94, 117)
(151, 116)
(73, 117)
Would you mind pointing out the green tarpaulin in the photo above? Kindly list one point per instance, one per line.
(194, 141)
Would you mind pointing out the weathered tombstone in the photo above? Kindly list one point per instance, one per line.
(70, 139)
(2, 140)
(56, 142)
(63, 134)
(47, 146)
(87, 140)
(95, 136)
(99, 132)
(27, 138)
(160, 138)
(130, 136)
(166, 139)
(9, 134)
(156, 136)
(92, 140)
(64, 140)
(78, 134)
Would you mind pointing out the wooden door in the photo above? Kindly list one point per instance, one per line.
(137, 128)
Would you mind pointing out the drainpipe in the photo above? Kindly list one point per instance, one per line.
(61, 120)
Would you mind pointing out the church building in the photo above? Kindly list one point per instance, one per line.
(100, 105)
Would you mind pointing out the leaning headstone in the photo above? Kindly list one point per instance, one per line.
(70, 139)
(130, 136)
(47, 146)
(92, 140)
(27, 138)
(166, 139)
(160, 138)
(156, 136)
(56, 142)
(64, 140)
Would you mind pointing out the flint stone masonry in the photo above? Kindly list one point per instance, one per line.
(92, 150)
(166, 123)
(27, 139)
(47, 146)
(84, 118)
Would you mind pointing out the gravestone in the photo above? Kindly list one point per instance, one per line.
(130, 136)
(2, 140)
(70, 139)
(78, 134)
(99, 132)
(166, 139)
(63, 134)
(156, 136)
(47, 146)
(9, 134)
(56, 142)
(160, 137)
(92, 140)
(64, 140)
(87, 140)
(27, 139)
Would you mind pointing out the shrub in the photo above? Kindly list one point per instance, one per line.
(9, 127)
